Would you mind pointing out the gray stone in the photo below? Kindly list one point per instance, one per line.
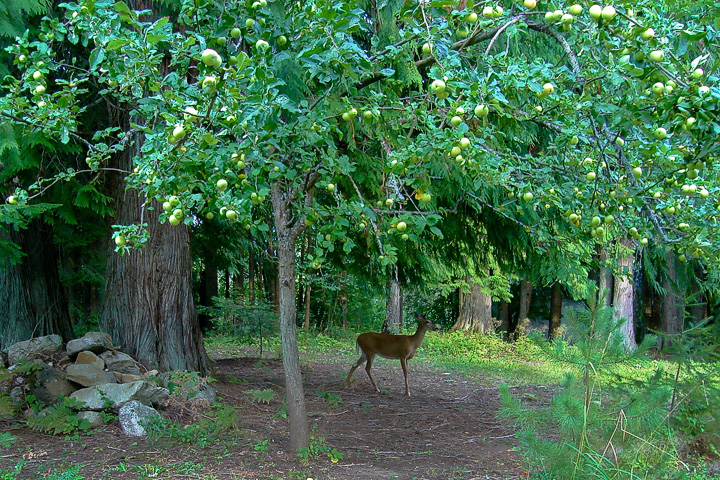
(48, 384)
(17, 396)
(204, 397)
(90, 358)
(96, 342)
(120, 362)
(127, 377)
(34, 348)
(95, 418)
(133, 417)
(115, 395)
(87, 374)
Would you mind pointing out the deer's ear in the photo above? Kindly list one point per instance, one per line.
(416, 315)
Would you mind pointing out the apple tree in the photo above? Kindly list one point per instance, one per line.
(580, 124)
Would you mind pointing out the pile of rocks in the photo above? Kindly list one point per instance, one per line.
(91, 371)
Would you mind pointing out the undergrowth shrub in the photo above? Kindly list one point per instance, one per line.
(218, 424)
(592, 427)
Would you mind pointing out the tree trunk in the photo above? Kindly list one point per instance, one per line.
(673, 305)
(475, 313)
(699, 305)
(286, 237)
(623, 294)
(504, 316)
(208, 290)
(251, 271)
(556, 299)
(32, 299)
(306, 323)
(393, 306)
(523, 322)
(148, 307)
(605, 279)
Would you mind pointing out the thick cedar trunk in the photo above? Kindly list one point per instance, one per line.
(297, 413)
(673, 305)
(523, 321)
(148, 307)
(623, 294)
(208, 290)
(475, 313)
(556, 299)
(605, 279)
(393, 307)
(32, 299)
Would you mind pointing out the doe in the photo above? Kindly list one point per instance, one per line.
(400, 347)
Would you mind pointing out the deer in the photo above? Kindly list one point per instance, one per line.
(400, 347)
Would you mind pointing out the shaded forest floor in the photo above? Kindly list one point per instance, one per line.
(447, 430)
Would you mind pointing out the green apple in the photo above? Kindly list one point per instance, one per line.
(464, 143)
(178, 213)
(702, 90)
(643, 241)
(539, 108)
(670, 210)
(330, 187)
(209, 83)
(37, 75)
(231, 214)
(567, 19)
(174, 201)
(530, 4)
(281, 40)
(609, 219)
(427, 48)
(455, 121)
(481, 111)
(620, 141)
(595, 222)
(211, 58)
(179, 132)
(167, 206)
(12, 200)
(191, 115)
(647, 34)
(455, 151)
(437, 86)
(488, 12)
(405, 236)
(697, 73)
(637, 172)
(608, 13)
(574, 140)
(401, 226)
(590, 176)
(704, 193)
(426, 198)
(595, 12)
(527, 196)
(174, 220)
(346, 116)
(459, 159)
(471, 17)
(660, 133)
(388, 202)
(262, 45)
(548, 88)
(361, 225)
(353, 112)
(249, 23)
(498, 11)
(22, 58)
(657, 55)
(575, 9)
(120, 241)
(573, 218)
(39, 90)
(235, 33)
(368, 115)
(658, 88)
(689, 122)
(222, 184)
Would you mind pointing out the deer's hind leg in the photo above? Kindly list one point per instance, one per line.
(367, 369)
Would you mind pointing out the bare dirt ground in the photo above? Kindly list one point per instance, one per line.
(447, 430)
